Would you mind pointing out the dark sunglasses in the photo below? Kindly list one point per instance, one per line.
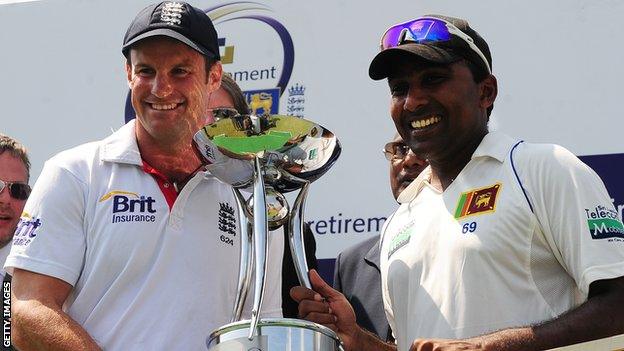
(224, 112)
(18, 191)
(428, 30)
(395, 150)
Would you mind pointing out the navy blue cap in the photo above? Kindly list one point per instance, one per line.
(177, 20)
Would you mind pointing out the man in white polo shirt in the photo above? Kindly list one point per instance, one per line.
(128, 243)
(499, 244)
(14, 190)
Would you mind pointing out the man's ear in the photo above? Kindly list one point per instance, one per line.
(214, 76)
(489, 91)
(129, 74)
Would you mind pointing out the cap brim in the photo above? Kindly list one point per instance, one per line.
(167, 33)
(383, 64)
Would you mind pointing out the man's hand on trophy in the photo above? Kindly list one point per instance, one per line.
(328, 307)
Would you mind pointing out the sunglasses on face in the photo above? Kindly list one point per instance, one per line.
(224, 112)
(18, 191)
(426, 30)
(395, 151)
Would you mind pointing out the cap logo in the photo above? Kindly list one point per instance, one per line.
(172, 13)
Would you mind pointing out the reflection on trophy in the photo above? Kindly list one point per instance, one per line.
(287, 154)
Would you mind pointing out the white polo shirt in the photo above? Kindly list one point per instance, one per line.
(145, 276)
(515, 239)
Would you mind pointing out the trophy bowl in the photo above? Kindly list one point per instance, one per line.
(286, 144)
(272, 155)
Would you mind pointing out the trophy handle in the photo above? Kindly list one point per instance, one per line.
(245, 264)
(295, 233)
(260, 237)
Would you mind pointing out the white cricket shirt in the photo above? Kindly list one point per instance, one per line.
(516, 239)
(145, 276)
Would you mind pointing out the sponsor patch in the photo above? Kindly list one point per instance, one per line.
(603, 223)
(130, 207)
(26, 229)
(400, 239)
(477, 201)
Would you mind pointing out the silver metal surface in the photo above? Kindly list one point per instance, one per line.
(275, 334)
(245, 262)
(284, 144)
(260, 238)
(287, 153)
(297, 247)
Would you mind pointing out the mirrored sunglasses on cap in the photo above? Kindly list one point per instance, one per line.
(224, 112)
(18, 191)
(426, 30)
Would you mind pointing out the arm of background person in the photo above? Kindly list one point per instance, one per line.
(330, 308)
(38, 321)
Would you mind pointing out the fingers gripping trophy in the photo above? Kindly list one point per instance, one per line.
(286, 153)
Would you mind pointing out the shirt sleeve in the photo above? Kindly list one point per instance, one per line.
(575, 213)
(50, 237)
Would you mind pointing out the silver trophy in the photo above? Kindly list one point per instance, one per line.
(283, 154)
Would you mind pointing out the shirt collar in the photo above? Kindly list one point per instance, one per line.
(122, 147)
(495, 145)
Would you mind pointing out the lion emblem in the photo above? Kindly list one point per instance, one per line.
(262, 101)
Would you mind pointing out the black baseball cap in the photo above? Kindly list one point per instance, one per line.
(177, 20)
(442, 52)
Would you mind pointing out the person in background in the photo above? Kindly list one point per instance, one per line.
(498, 244)
(356, 273)
(14, 190)
(129, 242)
(226, 102)
(229, 99)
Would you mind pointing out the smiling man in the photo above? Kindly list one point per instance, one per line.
(130, 243)
(499, 244)
(14, 190)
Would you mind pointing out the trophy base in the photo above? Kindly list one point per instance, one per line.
(274, 334)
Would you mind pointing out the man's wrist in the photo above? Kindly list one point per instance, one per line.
(363, 340)
(507, 340)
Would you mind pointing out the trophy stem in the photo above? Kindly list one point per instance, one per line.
(297, 246)
(260, 236)
(245, 263)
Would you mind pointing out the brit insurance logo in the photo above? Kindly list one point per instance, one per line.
(258, 52)
(26, 229)
(130, 207)
(603, 223)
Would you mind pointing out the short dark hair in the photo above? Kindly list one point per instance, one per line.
(479, 74)
(240, 102)
(16, 149)
(209, 63)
